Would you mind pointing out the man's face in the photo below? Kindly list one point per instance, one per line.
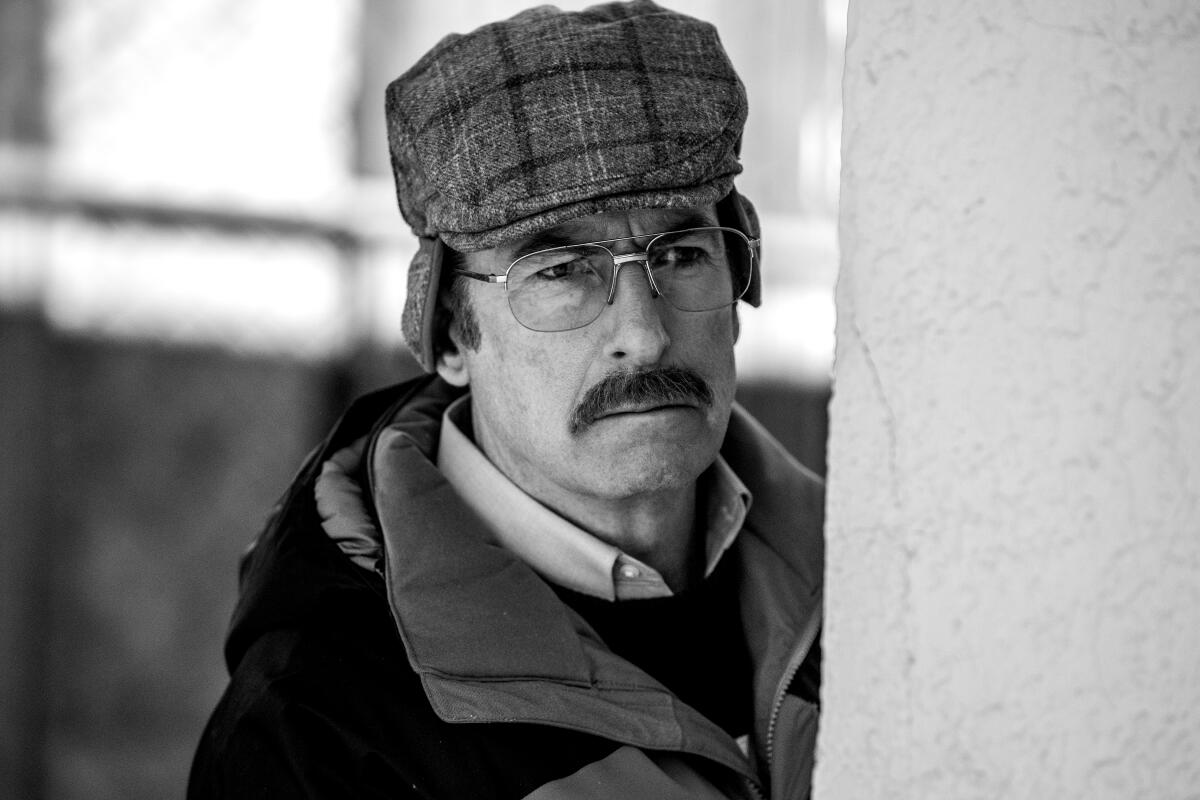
(526, 386)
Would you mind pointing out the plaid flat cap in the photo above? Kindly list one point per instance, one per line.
(549, 115)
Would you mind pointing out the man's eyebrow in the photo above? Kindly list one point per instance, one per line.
(542, 241)
(693, 219)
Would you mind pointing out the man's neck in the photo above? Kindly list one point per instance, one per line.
(658, 530)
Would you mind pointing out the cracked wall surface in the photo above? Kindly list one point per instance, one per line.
(1013, 584)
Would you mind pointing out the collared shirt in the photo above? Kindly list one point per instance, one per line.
(559, 550)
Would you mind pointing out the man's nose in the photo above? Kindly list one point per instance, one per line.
(638, 334)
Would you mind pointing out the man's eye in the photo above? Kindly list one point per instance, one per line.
(574, 269)
(680, 256)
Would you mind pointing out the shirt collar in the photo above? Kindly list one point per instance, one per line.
(559, 550)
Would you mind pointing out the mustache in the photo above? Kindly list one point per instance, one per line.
(665, 385)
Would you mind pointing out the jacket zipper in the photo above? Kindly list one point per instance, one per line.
(803, 645)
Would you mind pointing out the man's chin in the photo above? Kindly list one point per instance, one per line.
(632, 454)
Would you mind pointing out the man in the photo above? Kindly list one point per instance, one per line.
(564, 564)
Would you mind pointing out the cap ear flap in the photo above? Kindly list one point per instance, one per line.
(420, 306)
(735, 211)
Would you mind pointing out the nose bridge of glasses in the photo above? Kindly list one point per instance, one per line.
(626, 258)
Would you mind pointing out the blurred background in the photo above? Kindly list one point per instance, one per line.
(201, 261)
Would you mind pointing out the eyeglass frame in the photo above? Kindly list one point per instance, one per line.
(619, 261)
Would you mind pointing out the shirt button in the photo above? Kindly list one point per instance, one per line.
(629, 572)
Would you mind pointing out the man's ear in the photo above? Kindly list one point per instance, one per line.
(737, 324)
(452, 366)
(449, 361)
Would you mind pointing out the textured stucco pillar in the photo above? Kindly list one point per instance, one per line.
(1013, 605)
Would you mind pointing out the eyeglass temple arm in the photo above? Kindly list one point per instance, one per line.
(482, 276)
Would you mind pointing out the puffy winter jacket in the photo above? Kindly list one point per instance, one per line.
(456, 672)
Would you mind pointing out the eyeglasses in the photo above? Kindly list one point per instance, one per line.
(567, 287)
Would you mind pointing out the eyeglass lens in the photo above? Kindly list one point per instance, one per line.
(567, 287)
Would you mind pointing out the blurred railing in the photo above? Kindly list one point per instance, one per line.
(176, 272)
